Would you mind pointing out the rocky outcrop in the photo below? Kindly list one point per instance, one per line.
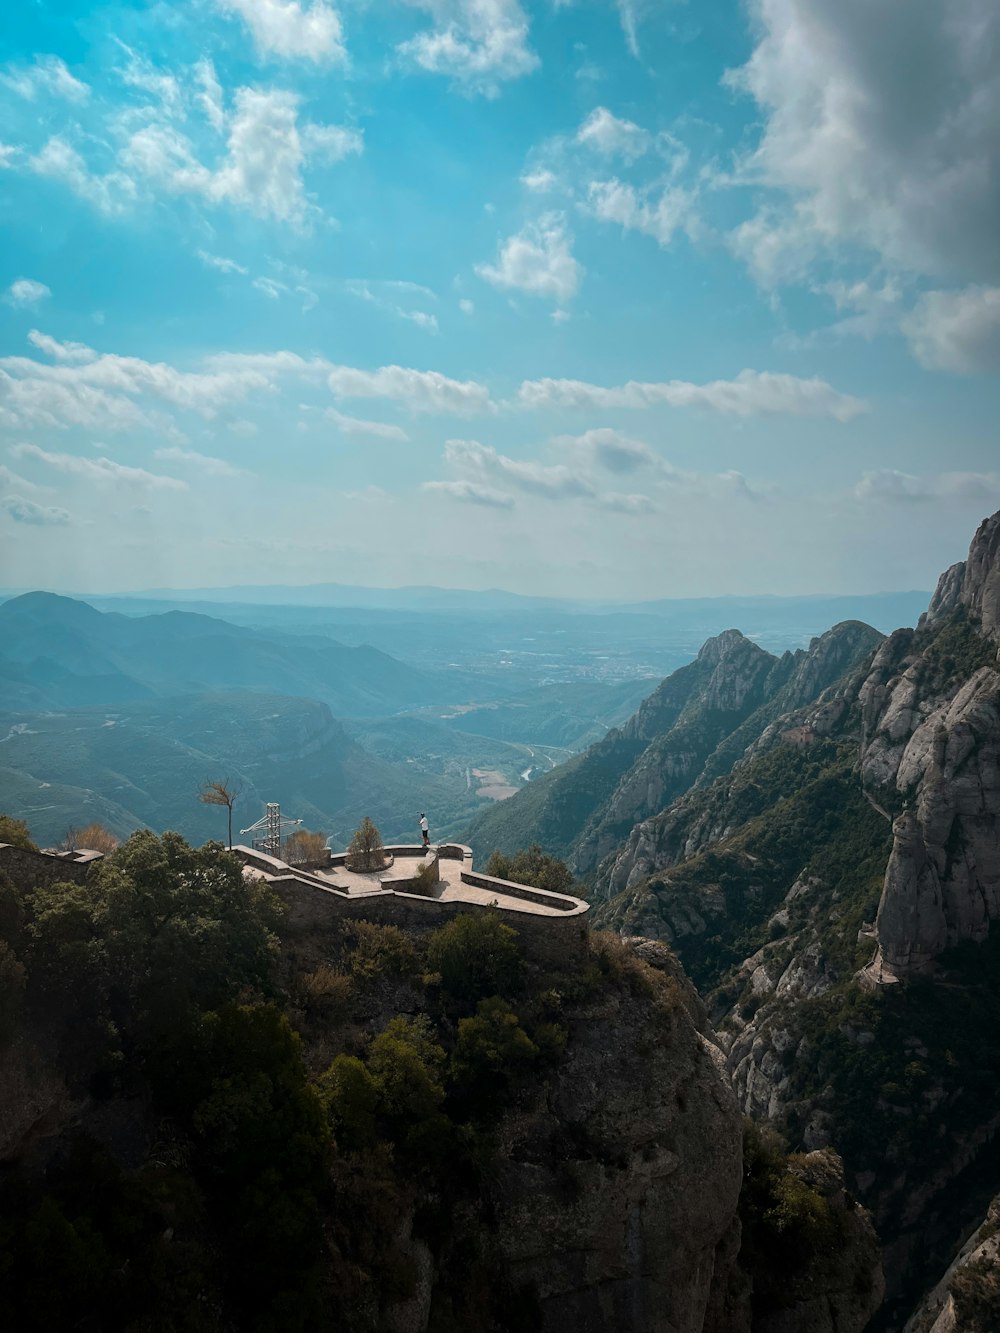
(973, 583)
(843, 1287)
(967, 1299)
(942, 883)
(618, 1188)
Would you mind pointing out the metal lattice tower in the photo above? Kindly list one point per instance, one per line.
(271, 825)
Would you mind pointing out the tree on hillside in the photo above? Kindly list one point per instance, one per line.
(15, 832)
(303, 847)
(93, 837)
(224, 793)
(366, 851)
(532, 866)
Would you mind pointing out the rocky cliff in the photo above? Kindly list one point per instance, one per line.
(694, 726)
(833, 893)
(967, 1299)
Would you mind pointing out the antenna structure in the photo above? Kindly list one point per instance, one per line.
(270, 827)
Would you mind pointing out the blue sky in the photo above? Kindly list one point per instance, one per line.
(579, 298)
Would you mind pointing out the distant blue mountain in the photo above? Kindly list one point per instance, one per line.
(57, 652)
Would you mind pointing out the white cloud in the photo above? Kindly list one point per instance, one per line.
(540, 181)
(420, 390)
(64, 352)
(613, 451)
(220, 262)
(421, 319)
(332, 142)
(480, 44)
(384, 295)
(879, 129)
(14, 481)
(537, 260)
(634, 210)
(889, 485)
(269, 287)
(262, 171)
(291, 30)
(618, 503)
(210, 97)
(612, 137)
(267, 150)
(347, 425)
(26, 292)
(102, 470)
(33, 401)
(627, 13)
(98, 393)
(215, 467)
(470, 493)
(556, 482)
(751, 393)
(466, 306)
(141, 73)
(957, 331)
(48, 74)
(60, 161)
(26, 511)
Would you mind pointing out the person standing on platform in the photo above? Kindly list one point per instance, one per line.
(425, 830)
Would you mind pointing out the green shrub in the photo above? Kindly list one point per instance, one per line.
(975, 1288)
(381, 951)
(325, 992)
(16, 832)
(351, 1096)
(532, 866)
(476, 956)
(491, 1050)
(425, 880)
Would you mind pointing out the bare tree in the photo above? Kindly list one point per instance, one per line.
(366, 851)
(224, 793)
(94, 837)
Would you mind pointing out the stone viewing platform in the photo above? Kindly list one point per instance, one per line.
(549, 924)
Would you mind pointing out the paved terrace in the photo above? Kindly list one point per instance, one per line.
(456, 881)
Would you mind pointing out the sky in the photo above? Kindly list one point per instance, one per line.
(576, 298)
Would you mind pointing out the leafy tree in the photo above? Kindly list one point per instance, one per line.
(366, 851)
(262, 1144)
(222, 792)
(476, 956)
(407, 1068)
(159, 930)
(305, 848)
(491, 1049)
(351, 1098)
(15, 832)
(94, 837)
(532, 866)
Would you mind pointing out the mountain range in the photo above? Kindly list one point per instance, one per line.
(817, 837)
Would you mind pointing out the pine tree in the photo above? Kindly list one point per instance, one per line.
(366, 851)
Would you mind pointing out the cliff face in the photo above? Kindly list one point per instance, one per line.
(931, 749)
(967, 1299)
(852, 846)
(618, 1184)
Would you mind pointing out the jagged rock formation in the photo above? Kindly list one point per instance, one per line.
(691, 729)
(932, 744)
(854, 842)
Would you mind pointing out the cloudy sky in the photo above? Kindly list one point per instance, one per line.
(579, 297)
